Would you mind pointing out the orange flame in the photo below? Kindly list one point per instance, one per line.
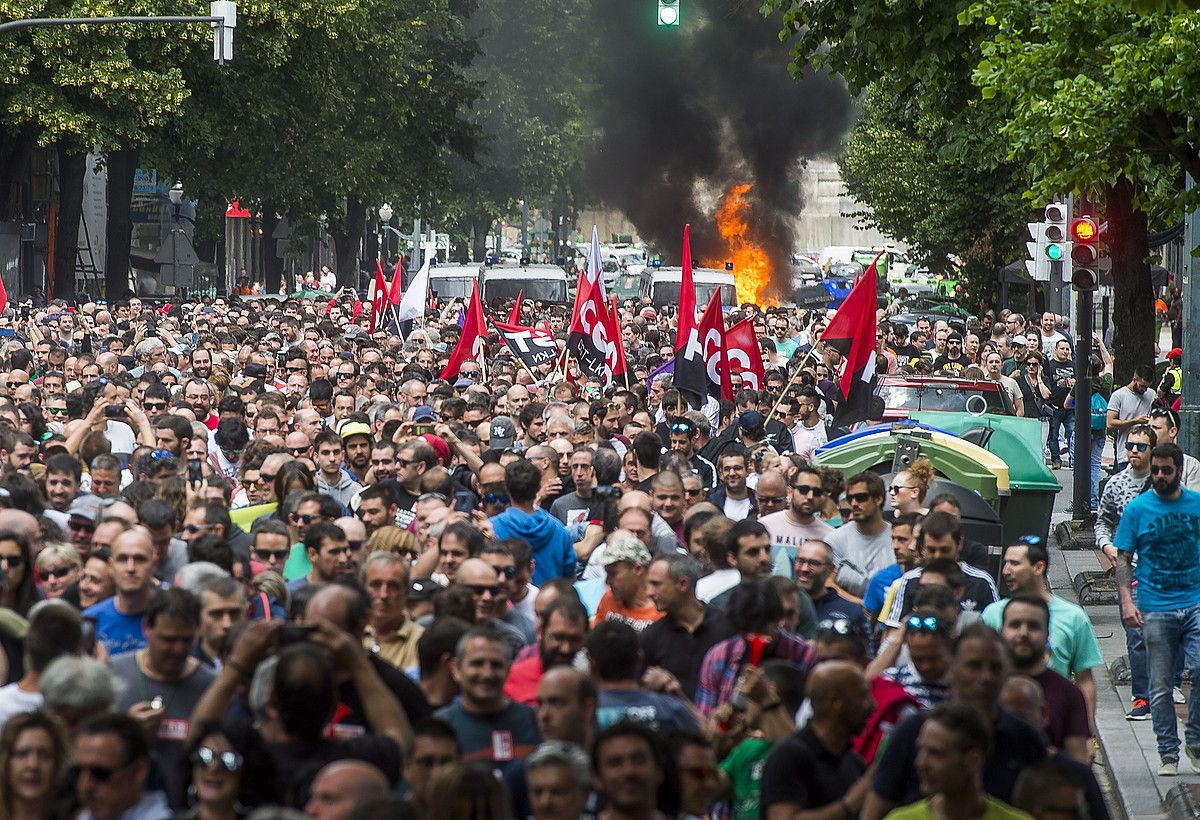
(751, 267)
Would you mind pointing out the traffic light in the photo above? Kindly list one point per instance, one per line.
(1034, 263)
(668, 12)
(1085, 254)
(1054, 233)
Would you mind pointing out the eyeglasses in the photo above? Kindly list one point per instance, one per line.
(480, 589)
(1139, 446)
(804, 489)
(57, 572)
(918, 623)
(266, 556)
(895, 488)
(81, 525)
(494, 498)
(859, 497)
(12, 560)
(404, 462)
(103, 774)
(229, 761)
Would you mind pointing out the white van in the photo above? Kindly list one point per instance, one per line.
(662, 285)
(448, 282)
(546, 283)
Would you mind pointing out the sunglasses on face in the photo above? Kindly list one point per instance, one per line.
(306, 519)
(495, 498)
(81, 526)
(151, 405)
(229, 761)
(298, 451)
(481, 589)
(917, 623)
(101, 774)
(860, 498)
(895, 488)
(266, 556)
(12, 560)
(56, 411)
(1141, 447)
(804, 489)
(1153, 471)
(57, 572)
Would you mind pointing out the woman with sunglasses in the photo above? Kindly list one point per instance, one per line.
(1034, 389)
(909, 487)
(33, 756)
(229, 772)
(58, 566)
(17, 590)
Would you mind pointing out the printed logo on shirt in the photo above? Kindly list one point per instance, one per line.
(502, 745)
(172, 729)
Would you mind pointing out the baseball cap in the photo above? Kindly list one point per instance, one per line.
(86, 506)
(1175, 353)
(463, 382)
(626, 549)
(424, 413)
(752, 420)
(422, 589)
(355, 428)
(440, 447)
(503, 433)
(1019, 340)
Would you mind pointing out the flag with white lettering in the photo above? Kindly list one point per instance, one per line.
(743, 355)
(690, 378)
(531, 345)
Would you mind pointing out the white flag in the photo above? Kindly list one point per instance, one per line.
(412, 306)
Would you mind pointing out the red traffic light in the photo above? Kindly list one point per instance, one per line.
(1084, 230)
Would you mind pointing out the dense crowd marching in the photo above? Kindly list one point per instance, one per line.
(256, 559)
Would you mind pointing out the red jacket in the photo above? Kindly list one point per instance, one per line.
(892, 704)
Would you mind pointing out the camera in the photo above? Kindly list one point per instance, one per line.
(115, 411)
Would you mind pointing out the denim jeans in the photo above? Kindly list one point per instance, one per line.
(1097, 455)
(1065, 419)
(1167, 633)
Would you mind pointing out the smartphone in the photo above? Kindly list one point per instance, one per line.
(115, 411)
(295, 633)
(87, 640)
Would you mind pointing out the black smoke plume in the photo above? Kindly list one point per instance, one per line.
(685, 112)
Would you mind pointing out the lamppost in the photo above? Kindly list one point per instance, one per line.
(176, 197)
(385, 217)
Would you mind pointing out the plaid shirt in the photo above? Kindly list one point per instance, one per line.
(723, 664)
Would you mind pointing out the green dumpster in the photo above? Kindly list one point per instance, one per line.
(1018, 441)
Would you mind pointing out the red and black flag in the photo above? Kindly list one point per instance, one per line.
(472, 344)
(851, 332)
(588, 338)
(379, 299)
(691, 380)
(743, 356)
(533, 346)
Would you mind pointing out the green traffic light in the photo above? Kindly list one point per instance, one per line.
(1054, 252)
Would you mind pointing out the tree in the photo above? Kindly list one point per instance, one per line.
(924, 195)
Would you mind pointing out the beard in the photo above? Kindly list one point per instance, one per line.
(1168, 486)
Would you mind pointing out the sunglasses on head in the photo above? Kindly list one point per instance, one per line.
(680, 427)
(837, 626)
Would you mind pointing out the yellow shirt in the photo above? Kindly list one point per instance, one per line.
(398, 648)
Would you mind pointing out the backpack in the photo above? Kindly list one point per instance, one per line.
(1099, 412)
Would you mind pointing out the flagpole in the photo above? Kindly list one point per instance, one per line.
(783, 396)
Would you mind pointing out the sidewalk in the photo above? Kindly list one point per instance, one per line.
(1127, 761)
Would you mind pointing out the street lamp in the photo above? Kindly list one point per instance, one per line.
(176, 197)
(385, 216)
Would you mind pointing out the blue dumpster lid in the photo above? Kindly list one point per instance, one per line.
(874, 429)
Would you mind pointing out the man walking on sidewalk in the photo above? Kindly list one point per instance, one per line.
(1161, 530)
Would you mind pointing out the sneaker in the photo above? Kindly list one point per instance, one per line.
(1056, 464)
(1140, 710)
(1177, 695)
(1194, 759)
(1169, 767)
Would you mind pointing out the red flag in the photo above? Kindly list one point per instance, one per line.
(514, 315)
(687, 293)
(378, 298)
(358, 309)
(588, 338)
(472, 344)
(395, 293)
(711, 332)
(329, 305)
(620, 365)
(851, 332)
(743, 356)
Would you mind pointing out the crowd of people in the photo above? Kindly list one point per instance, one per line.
(255, 559)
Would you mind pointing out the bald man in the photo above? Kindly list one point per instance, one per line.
(341, 786)
(662, 534)
(815, 769)
(24, 523)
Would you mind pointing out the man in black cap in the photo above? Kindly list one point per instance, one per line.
(953, 361)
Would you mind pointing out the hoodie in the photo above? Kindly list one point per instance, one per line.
(553, 550)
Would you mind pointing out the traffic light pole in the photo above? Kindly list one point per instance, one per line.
(1189, 410)
(1081, 459)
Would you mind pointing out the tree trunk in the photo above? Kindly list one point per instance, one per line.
(346, 242)
(71, 168)
(482, 226)
(121, 167)
(272, 262)
(1133, 295)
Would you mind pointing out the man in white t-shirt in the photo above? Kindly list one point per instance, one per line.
(791, 527)
(55, 629)
(1050, 334)
(863, 544)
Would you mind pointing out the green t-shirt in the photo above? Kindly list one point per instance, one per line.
(1073, 644)
(744, 766)
(297, 565)
(995, 811)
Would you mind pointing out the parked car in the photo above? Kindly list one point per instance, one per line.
(904, 394)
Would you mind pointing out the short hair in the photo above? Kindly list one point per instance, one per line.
(948, 569)
(978, 631)
(270, 526)
(522, 479)
(437, 729)
(565, 754)
(174, 603)
(381, 492)
(178, 425)
(606, 465)
(966, 722)
(741, 529)
(128, 731)
(754, 606)
(614, 651)
(319, 532)
(940, 525)
(55, 629)
(222, 586)
(486, 633)
(1035, 601)
(681, 566)
(1034, 551)
(934, 596)
(1037, 782)
(64, 463)
(80, 684)
(647, 447)
(439, 638)
(874, 483)
(567, 607)
(1170, 451)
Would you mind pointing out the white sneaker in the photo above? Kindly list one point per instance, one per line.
(1194, 759)
(1169, 767)
(1177, 695)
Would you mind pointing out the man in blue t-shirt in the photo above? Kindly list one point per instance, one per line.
(119, 618)
(1160, 530)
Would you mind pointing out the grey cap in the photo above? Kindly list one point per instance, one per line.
(503, 433)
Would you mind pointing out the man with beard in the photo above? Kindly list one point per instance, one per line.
(222, 607)
(329, 554)
(564, 630)
(1128, 407)
(199, 397)
(605, 417)
(1026, 630)
(356, 439)
(814, 569)
(808, 433)
(791, 527)
(863, 544)
(684, 435)
(162, 683)
(1157, 530)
